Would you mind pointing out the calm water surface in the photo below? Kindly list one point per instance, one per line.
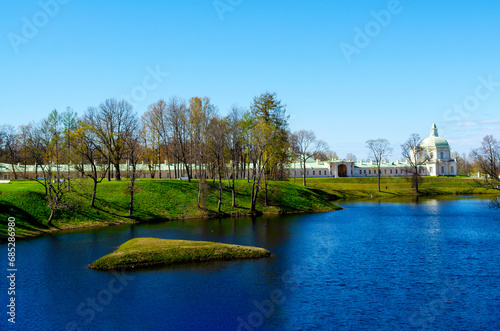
(373, 266)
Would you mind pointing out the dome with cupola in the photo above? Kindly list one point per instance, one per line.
(434, 140)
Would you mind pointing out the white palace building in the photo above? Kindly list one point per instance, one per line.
(440, 163)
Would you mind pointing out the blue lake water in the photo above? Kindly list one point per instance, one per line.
(432, 265)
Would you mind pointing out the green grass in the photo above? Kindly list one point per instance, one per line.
(164, 199)
(366, 187)
(148, 252)
(155, 200)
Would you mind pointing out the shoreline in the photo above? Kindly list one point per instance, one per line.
(56, 230)
(170, 200)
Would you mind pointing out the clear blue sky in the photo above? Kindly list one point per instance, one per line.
(410, 70)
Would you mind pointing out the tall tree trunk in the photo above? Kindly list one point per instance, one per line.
(14, 170)
(416, 183)
(117, 171)
(109, 173)
(199, 193)
(252, 200)
(233, 195)
(51, 217)
(94, 192)
(219, 204)
(186, 166)
(378, 175)
(131, 204)
(304, 173)
(266, 182)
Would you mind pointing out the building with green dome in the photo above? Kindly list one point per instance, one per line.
(439, 153)
(436, 149)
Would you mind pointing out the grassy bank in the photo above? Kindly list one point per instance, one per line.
(147, 252)
(155, 199)
(360, 188)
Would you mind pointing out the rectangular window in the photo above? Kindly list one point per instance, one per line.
(431, 169)
(452, 170)
(325, 172)
(314, 172)
(396, 171)
(390, 171)
(369, 172)
(442, 155)
(308, 172)
(442, 170)
(365, 172)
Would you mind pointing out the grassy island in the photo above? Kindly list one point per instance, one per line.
(148, 252)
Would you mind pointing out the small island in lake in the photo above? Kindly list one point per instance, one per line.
(148, 252)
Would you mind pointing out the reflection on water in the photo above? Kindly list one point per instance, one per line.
(376, 265)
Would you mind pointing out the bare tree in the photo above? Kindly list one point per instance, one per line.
(42, 143)
(416, 156)
(487, 158)
(379, 149)
(69, 121)
(86, 147)
(307, 146)
(113, 122)
(133, 154)
(217, 135)
(201, 112)
(156, 120)
(351, 156)
(464, 163)
(10, 146)
(234, 143)
(179, 133)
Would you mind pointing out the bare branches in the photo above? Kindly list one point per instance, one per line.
(416, 156)
(379, 149)
(113, 122)
(487, 159)
(307, 146)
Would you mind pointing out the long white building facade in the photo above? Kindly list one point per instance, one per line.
(438, 149)
(439, 164)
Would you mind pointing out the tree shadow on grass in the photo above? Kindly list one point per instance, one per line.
(24, 220)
